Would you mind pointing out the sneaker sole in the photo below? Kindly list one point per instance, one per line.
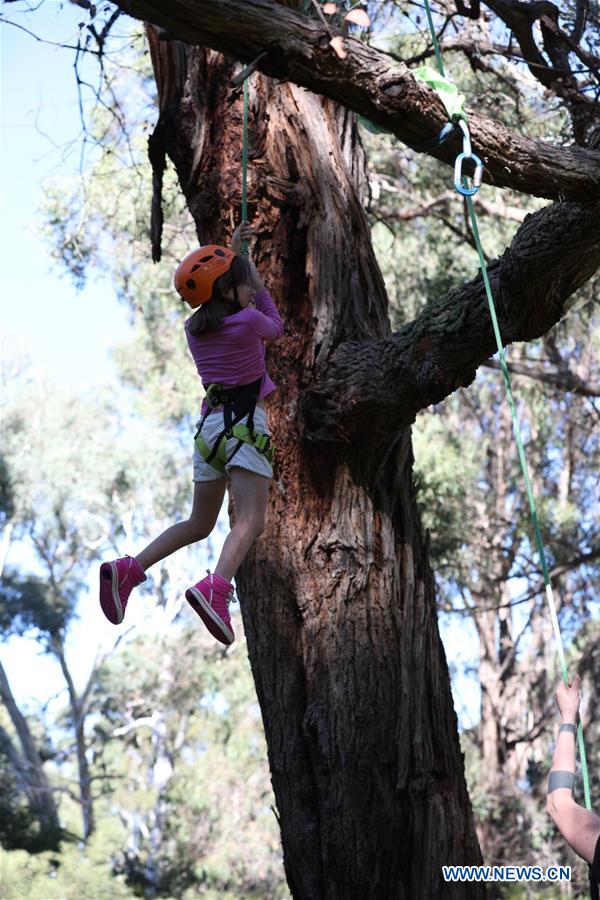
(110, 600)
(213, 622)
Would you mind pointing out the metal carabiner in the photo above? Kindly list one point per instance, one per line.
(467, 154)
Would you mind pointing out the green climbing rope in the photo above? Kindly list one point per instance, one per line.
(516, 428)
(436, 46)
(529, 489)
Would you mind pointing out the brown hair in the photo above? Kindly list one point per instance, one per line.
(209, 316)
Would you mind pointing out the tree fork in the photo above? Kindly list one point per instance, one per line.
(372, 84)
(338, 596)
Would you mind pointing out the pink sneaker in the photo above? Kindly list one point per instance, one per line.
(117, 580)
(210, 598)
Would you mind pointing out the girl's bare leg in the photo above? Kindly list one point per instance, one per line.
(250, 494)
(208, 498)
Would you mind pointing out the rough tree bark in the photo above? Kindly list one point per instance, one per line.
(338, 596)
(373, 84)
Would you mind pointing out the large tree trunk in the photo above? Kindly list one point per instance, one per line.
(337, 596)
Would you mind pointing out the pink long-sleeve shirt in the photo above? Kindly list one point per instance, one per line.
(235, 355)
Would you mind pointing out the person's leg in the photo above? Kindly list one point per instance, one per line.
(208, 498)
(250, 495)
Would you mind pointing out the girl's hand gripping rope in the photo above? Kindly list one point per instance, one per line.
(242, 233)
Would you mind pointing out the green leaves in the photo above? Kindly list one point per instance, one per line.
(27, 604)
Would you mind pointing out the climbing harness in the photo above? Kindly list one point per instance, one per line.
(237, 403)
(462, 186)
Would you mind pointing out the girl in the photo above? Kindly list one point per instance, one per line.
(234, 316)
(579, 827)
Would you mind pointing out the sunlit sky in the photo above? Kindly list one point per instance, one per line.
(41, 311)
(67, 334)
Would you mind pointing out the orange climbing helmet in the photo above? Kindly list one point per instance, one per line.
(197, 272)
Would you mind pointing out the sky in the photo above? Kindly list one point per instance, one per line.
(39, 118)
(44, 316)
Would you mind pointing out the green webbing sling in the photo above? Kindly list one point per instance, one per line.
(446, 91)
(444, 95)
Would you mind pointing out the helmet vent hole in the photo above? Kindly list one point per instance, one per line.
(206, 259)
(197, 266)
(190, 283)
(219, 253)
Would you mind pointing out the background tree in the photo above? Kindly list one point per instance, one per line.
(68, 508)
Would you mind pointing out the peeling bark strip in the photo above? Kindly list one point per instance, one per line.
(372, 84)
(337, 596)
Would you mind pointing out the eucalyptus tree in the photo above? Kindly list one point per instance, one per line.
(339, 599)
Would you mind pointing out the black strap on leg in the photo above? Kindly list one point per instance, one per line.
(250, 420)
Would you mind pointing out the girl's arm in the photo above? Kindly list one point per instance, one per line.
(257, 282)
(242, 233)
(264, 319)
(579, 827)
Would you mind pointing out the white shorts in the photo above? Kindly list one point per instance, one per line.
(247, 457)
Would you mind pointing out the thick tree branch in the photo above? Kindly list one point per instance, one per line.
(372, 390)
(372, 84)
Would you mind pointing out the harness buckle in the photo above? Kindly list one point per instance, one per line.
(213, 397)
(261, 442)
